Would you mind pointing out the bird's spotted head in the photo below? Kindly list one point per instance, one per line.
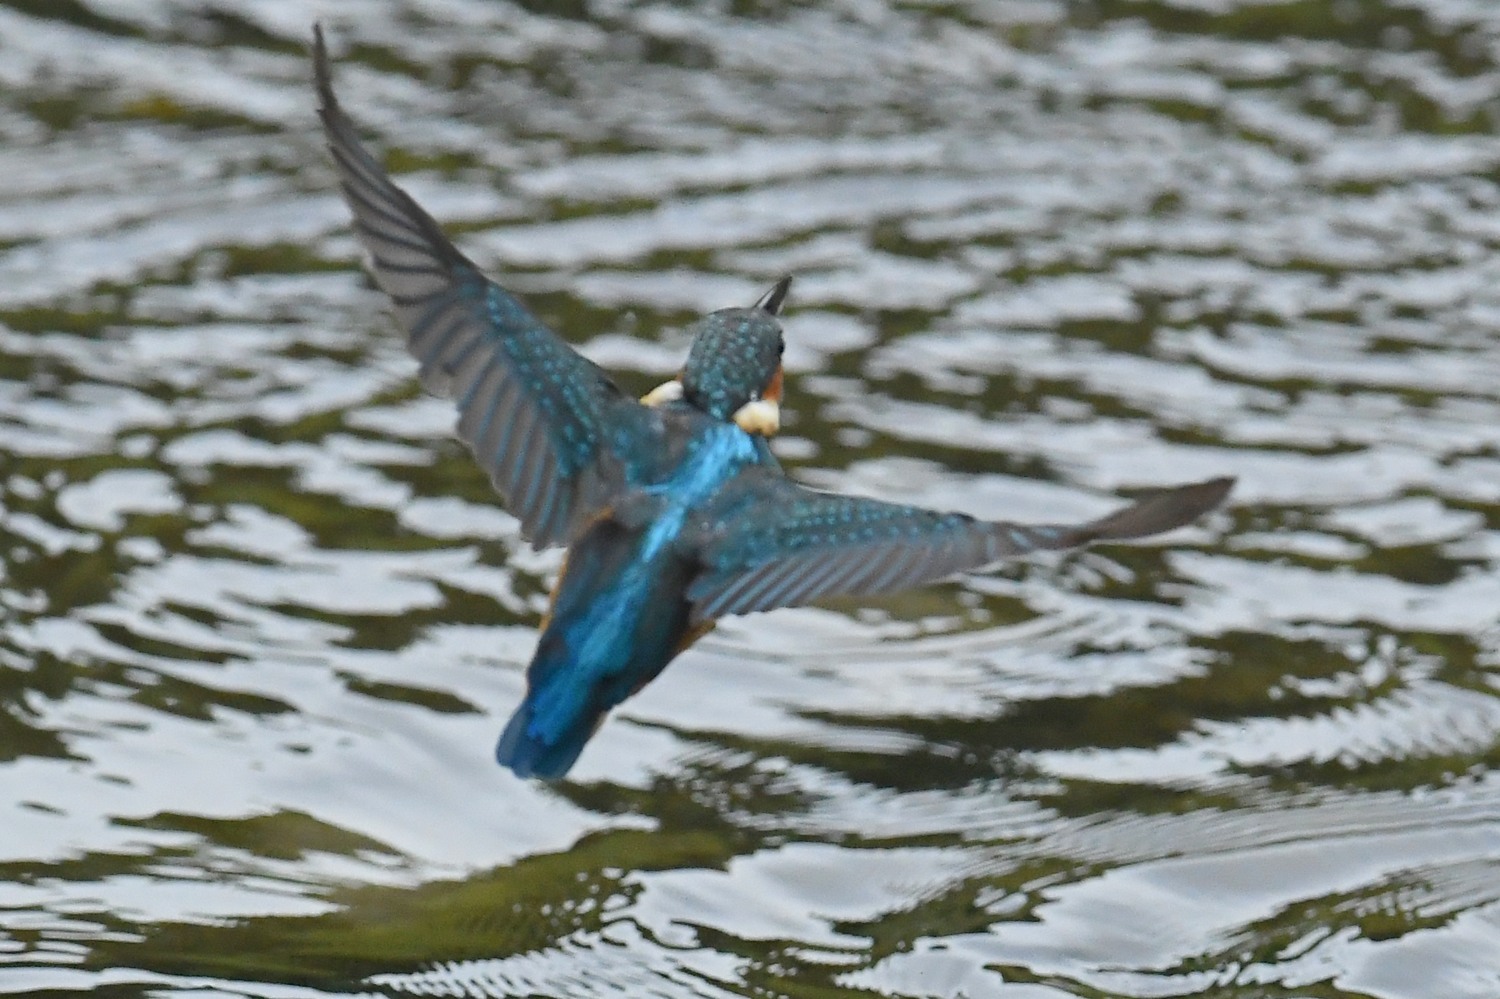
(733, 369)
(735, 359)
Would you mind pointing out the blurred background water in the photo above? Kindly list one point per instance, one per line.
(261, 618)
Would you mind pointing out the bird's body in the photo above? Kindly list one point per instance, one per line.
(620, 612)
(673, 509)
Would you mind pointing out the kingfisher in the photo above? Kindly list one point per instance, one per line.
(673, 509)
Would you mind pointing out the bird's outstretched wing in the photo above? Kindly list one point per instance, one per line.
(541, 419)
(769, 542)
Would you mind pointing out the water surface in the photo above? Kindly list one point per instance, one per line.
(261, 618)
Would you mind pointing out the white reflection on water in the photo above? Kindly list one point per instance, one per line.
(260, 618)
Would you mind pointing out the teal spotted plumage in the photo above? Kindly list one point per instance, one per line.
(731, 352)
(675, 513)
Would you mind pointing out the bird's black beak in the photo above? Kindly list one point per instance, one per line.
(771, 300)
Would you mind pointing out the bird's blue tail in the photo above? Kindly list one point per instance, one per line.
(527, 752)
(564, 703)
(614, 626)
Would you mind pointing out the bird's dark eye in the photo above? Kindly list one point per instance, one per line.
(781, 347)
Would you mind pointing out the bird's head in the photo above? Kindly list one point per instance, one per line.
(733, 369)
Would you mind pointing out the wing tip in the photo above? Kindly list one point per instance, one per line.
(338, 130)
(1206, 495)
(1163, 510)
(323, 73)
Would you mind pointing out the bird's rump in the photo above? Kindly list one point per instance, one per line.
(614, 625)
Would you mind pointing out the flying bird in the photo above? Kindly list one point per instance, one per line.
(673, 509)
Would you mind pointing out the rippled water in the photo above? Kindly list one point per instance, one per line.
(260, 618)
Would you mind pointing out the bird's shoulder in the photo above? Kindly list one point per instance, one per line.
(682, 458)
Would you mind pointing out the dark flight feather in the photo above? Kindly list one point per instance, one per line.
(820, 544)
(547, 424)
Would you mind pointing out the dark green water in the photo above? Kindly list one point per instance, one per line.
(261, 620)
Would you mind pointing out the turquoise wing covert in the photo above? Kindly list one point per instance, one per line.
(769, 542)
(546, 423)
